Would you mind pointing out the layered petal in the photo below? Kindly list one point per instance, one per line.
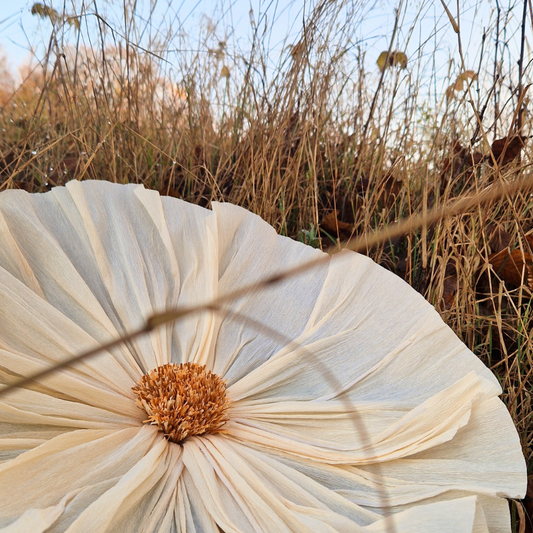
(49, 254)
(348, 432)
(73, 463)
(194, 244)
(95, 254)
(265, 493)
(249, 250)
(38, 520)
(140, 498)
(242, 492)
(483, 459)
(31, 345)
(371, 338)
(462, 516)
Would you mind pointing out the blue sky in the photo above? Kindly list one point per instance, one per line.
(425, 31)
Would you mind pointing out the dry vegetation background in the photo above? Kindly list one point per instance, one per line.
(314, 142)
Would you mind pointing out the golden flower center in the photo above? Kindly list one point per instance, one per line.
(183, 400)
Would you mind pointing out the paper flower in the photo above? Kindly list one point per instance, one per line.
(375, 409)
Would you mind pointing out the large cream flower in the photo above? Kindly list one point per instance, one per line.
(375, 409)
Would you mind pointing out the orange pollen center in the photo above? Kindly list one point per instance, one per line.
(183, 400)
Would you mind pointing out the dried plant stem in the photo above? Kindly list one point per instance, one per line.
(461, 206)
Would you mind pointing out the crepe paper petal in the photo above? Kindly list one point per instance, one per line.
(249, 251)
(225, 506)
(62, 250)
(19, 438)
(195, 249)
(429, 424)
(412, 341)
(82, 499)
(54, 338)
(488, 439)
(492, 513)
(107, 270)
(13, 260)
(191, 513)
(271, 506)
(131, 259)
(133, 489)
(381, 494)
(495, 511)
(460, 516)
(70, 462)
(297, 496)
(11, 444)
(38, 520)
(153, 203)
(157, 512)
(446, 471)
(153, 513)
(29, 407)
(69, 386)
(142, 499)
(136, 277)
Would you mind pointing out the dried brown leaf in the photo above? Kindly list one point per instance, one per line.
(395, 59)
(450, 285)
(507, 149)
(510, 265)
(334, 226)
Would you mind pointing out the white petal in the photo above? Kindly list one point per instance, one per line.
(492, 513)
(98, 257)
(205, 481)
(34, 408)
(81, 501)
(372, 336)
(121, 507)
(59, 270)
(156, 511)
(249, 251)
(381, 495)
(296, 489)
(244, 493)
(19, 438)
(485, 456)
(340, 433)
(191, 515)
(153, 204)
(132, 260)
(12, 258)
(38, 520)
(483, 459)
(69, 462)
(194, 241)
(54, 338)
(459, 516)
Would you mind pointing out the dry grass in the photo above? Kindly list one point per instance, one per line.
(316, 145)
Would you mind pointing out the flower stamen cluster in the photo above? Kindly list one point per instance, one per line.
(183, 400)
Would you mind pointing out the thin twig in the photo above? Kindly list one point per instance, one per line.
(491, 193)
